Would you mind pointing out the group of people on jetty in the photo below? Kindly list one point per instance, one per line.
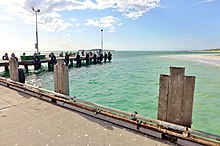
(96, 55)
(6, 57)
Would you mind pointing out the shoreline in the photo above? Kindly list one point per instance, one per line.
(213, 59)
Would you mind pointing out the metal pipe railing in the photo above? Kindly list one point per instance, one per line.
(127, 114)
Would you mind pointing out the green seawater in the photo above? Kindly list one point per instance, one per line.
(131, 83)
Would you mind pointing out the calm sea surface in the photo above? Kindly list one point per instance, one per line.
(130, 83)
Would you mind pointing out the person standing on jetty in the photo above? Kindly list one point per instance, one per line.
(13, 55)
(5, 57)
(109, 56)
(61, 54)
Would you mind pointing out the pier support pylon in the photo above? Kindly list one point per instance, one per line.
(61, 78)
(6, 68)
(13, 64)
(26, 68)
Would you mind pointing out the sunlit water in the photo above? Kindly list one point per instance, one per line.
(130, 83)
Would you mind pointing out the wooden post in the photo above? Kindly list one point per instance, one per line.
(71, 63)
(13, 64)
(6, 68)
(176, 93)
(49, 66)
(26, 68)
(61, 78)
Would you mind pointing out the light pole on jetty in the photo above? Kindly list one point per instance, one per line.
(36, 44)
(102, 39)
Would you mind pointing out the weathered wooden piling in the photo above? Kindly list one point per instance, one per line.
(26, 68)
(71, 63)
(49, 66)
(6, 68)
(176, 94)
(61, 78)
(13, 64)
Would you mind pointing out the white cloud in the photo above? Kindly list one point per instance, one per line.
(132, 9)
(73, 19)
(104, 22)
(7, 18)
(51, 19)
(47, 18)
(52, 15)
(112, 29)
(205, 1)
(78, 24)
(79, 30)
(53, 25)
(129, 8)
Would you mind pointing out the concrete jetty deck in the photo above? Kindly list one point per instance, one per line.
(26, 120)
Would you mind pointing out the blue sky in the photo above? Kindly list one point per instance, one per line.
(127, 24)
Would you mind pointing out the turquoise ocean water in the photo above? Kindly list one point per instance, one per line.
(131, 83)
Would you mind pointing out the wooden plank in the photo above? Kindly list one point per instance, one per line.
(187, 100)
(163, 97)
(175, 95)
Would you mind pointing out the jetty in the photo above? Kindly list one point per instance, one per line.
(26, 120)
(34, 116)
(69, 60)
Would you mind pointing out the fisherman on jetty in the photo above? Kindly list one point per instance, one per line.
(36, 54)
(61, 54)
(83, 53)
(91, 54)
(109, 56)
(105, 57)
(71, 54)
(100, 57)
(78, 60)
(5, 57)
(51, 54)
(13, 55)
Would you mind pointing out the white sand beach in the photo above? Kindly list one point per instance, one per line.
(213, 59)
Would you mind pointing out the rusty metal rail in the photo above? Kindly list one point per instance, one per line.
(142, 124)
